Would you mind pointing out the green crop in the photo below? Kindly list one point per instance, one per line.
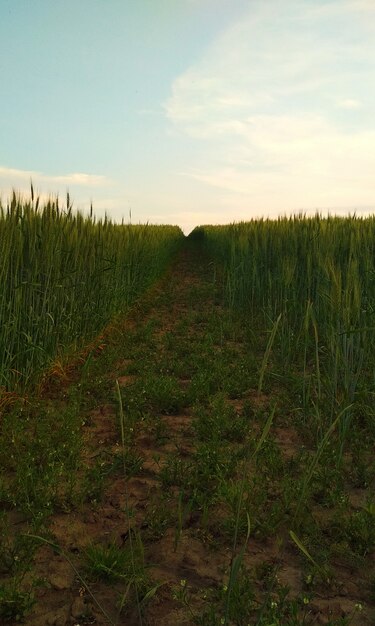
(314, 279)
(63, 277)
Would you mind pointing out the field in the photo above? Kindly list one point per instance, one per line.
(187, 424)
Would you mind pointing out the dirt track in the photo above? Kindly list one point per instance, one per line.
(179, 358)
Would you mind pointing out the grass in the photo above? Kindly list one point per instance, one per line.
(226, 477)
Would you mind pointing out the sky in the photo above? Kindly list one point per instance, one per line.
(190, 112)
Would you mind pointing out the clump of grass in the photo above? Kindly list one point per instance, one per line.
(113, 563)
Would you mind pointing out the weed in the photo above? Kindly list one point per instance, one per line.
(359, 530)
(156, 394)
(322, 570)
(219, 421)
(176, 472)
(158, 428)
(15, 603)
(158, 517)
(16, 551)
(112, 563)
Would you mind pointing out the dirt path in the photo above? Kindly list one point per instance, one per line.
(157, 502)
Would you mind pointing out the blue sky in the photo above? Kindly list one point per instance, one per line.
(190, 111)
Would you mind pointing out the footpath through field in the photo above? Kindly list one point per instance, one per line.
(151, 515)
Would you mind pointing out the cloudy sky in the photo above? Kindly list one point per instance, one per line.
(190, 111)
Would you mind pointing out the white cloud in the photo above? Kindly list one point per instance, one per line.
(261, 104)
(291, 165)
(8, 175)
(78, 178)
(366, 6)
(349, 103)
(278, 51)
